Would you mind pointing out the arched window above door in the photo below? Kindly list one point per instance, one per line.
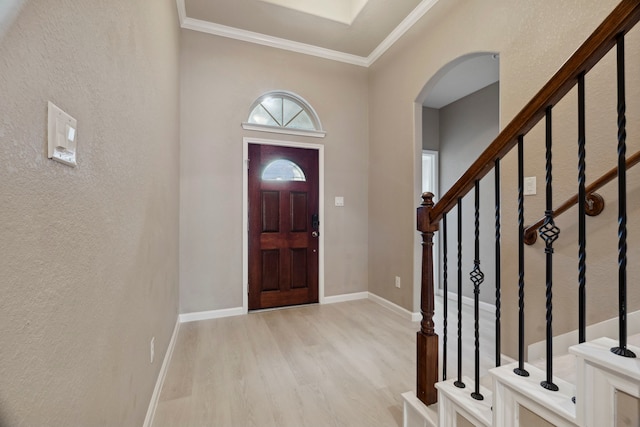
(284, 112)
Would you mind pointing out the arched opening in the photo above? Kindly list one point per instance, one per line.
(457, 117)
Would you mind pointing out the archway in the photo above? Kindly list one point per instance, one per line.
(456, 116)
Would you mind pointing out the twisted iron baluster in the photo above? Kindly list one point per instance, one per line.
(582, 234)
(477, 277)
(549, 233)
(622, 349)
(520, 369)
(459, 382)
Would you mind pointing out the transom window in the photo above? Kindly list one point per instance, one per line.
(283, 170)
(284, 112)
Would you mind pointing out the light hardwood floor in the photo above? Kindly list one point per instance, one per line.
(343, 364)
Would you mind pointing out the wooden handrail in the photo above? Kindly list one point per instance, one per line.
(621, 20)
(530, 235)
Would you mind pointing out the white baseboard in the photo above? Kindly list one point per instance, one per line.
(345, 297)
(414, 317)
(561, 343)
(151, 410)
(211, 314)
(484, 306)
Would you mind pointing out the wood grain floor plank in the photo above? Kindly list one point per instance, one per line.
(343, 364)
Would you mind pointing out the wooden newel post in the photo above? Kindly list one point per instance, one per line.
(427, 337)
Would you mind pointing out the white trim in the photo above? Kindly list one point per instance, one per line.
(182, 11)
(285, 131)
(346, 297)
(245, 211)
(270, 41)
(414, 317)
(485, 306)
(306, 49)
(403, 27)
(153, 404)
(211, 314)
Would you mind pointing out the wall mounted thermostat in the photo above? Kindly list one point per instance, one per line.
(62, 136)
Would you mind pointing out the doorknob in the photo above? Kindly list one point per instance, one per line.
(315, 234)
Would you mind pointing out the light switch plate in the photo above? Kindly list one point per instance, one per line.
(530, 186)
(340, 201)
(62, 136)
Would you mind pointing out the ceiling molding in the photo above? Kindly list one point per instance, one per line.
(306, 49)
(423, 7)
(265, 40)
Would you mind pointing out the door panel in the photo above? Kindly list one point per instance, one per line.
(299, 216)
(270, 211)
(283, 248)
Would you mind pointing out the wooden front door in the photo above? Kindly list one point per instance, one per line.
(283, 226)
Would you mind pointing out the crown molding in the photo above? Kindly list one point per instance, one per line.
(306, 49)
(276, 42)
(423, 7)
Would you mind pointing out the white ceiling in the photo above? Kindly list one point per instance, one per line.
(466, 77)
(321, 28)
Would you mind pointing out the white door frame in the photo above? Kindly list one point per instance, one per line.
(435, 190)
(245, 211)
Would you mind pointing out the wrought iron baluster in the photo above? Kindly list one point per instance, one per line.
(622, 349)
(498, 257)
(582, 234)
(459, 382)
(549, 232)
(520, 369)
(477, 277)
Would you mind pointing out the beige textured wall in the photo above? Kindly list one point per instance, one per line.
(220, 80)
(533, 39)
(89, 255)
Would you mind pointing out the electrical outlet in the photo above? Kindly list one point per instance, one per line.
(397, 281)
(152, 349)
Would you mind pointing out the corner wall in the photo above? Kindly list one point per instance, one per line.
(89, 255)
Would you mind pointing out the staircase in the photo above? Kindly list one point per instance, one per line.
(596, 382)
(542, 408)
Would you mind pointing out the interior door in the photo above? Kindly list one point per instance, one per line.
(283, 226)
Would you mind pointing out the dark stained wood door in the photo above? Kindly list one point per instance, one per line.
(283, 226)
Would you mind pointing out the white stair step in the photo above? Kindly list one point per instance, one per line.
(453, 400)
(511, 390)
(416, 414)
(564, 367)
